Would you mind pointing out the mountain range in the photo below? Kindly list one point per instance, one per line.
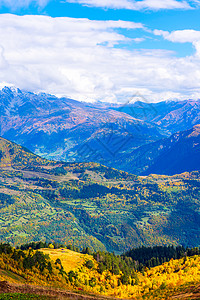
(140, 137)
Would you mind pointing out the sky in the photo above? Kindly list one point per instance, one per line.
(102, 50)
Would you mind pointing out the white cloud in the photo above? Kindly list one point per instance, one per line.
(15, 4)
(78, 58)
(182, 36)
(138, 5)
(138, 40)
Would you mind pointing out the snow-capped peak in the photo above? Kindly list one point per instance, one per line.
(10, 87)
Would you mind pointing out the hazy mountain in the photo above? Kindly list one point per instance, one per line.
(170, 116)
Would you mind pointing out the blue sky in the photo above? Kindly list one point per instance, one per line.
(106, 50)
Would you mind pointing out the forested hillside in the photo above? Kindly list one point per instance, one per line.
(87, 204)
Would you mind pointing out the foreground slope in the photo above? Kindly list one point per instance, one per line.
(88, 204)
(171, 280)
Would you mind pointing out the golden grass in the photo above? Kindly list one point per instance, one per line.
(69, 259)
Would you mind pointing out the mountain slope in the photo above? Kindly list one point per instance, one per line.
(176, 154)
(87, 204)
(183, 155)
